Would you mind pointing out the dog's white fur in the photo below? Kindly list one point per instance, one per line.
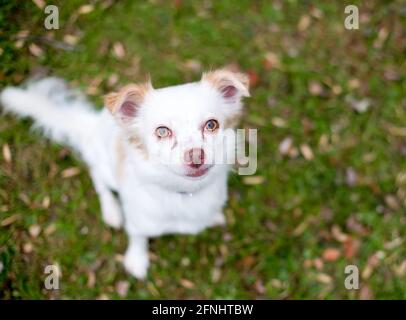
(123, 153)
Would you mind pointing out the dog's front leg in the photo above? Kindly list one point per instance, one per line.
(110, 207)
(136, 259)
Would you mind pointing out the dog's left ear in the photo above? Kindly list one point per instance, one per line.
(231, 85)
(125, 103)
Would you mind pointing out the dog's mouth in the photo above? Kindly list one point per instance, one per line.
(198, 172)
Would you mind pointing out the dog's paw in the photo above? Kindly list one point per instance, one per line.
(112, 215)
(113, 220)
(136, 265)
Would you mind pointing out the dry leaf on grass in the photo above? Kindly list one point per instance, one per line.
(382, 35)
(372, 263)
(35, 50)
(9, 220)
(7, 153)
(91, 279)
(193, 65)
(360, 106)
(70, 39)
(112, 80)
(253, 78)
(85, 9)
(391, 74)
(50, 229)
(400, 270)
(393, 244)
(307, 263)
(19, 43)
(336, 89)
(187, 284)
(278, 122)
(366, 293)
(350, 247)
(355, 226)
(259, 287)
(324, 278)
(122, 288)
(351, 177)
(304, 23)
(22, 34)
(28, 247)
(39, 3)
(354, 83)
(70, 172)
(216, 275)
(276, 283)
(396, 131)
(318, 263)
(34, 230)
(247, 261)
(401, 178)
(331, 254)
(185, 262)
(25, 199)
(285, 146)
(300, 228)
(253, 180)
(46, 202)
(315, 88)
(94, 85)
(306, 152)
(324, 143)
(392, 202)
(337, 234)
(118, 50)
(271, 61)
(119, 258)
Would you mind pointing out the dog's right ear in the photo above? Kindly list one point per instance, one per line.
(125, 103)
(231, 85)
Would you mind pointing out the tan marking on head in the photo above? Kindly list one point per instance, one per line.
(132, 92)
(222, 78)
(121, 154)
(123, 105)
(136, 141)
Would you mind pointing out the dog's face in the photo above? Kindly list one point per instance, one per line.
(182, 129)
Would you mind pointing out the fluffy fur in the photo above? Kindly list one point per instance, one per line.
(159, 191)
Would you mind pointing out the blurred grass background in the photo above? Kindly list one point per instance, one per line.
(330, 109)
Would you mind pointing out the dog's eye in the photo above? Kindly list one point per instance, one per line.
(163, 132)
(211, 125)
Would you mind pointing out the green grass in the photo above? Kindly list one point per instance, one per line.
(278, 230)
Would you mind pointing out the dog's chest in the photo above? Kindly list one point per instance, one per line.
(177, 212)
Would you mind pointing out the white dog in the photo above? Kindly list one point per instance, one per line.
(133, 147)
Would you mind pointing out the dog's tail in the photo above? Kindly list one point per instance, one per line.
(64, 115)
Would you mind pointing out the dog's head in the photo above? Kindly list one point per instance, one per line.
(182, 128)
